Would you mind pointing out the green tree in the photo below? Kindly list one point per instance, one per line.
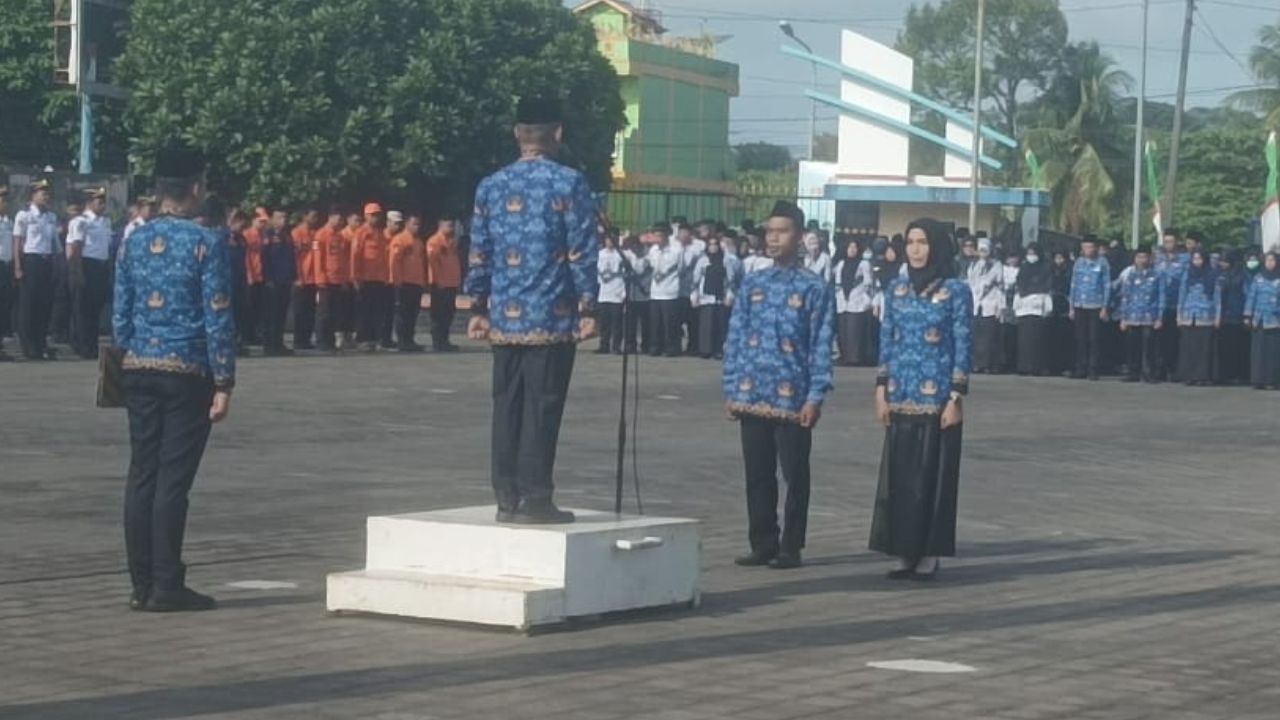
(1264, 59)
(410, 101)
(1221, 190)
(761, 156)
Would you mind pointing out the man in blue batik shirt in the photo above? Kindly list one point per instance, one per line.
(1141, 309)
(777, 371)
(533, 279)
(1090, 295)
(172, 318)
(1170, 263)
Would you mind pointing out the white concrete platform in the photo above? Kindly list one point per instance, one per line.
(460, 565)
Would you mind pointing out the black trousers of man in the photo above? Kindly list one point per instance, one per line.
(689, 319)
(254, 309)
(1140, 352)
(636, 327)
(1088, 341)
(60, 308)
(664, 327)
(611, 326)
(240, 305)
(276, 298)
(168, 428)
(372, 300)
(88, 298)
(530, 384)
(36, 304)
(766, 444)
(329, 299)
(444, 306)
(387, 321)
(408, 307)
(1167, 350)
(6, 299)
(304, 316)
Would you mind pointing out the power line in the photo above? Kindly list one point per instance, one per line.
(1205, 28)
(1246, 6)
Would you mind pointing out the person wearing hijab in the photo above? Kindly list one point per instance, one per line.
(715, 281)
(639, 276)
(855, 289)
(986, 283)
(1090, 296)
(1032, 306)
(925, 358)
(1141, 313)
(1233, 336)
(1199, 315)
(1061, 336)
(1008, 315)
(816, 259)
(1262, 315)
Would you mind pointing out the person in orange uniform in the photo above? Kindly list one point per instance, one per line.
(369, 273)
(333, 280)
(444, 278)
(395, 226)
(408, 276)
(306, 253)
(249, 331)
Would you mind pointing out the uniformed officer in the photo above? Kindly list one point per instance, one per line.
(533, 276)
(1141, 315)
(88, 271)
(6, 272)
(35, 234)
(144, 208)
(1090, 296)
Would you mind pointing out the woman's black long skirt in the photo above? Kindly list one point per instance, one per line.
(1265, 358)
(851, 335)
(988, 348)
(1033, 345)
(915, 511)
(1196, 354)
(1233, 353)
(712, 328)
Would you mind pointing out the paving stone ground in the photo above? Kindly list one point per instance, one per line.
(1118, 557)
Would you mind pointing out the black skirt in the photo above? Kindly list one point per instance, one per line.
(1033, 345)
(852, 336)
(915, 511)
(988, 348)
(1265, 357)
(713, 326)
(1195, 354)
(1233, 353)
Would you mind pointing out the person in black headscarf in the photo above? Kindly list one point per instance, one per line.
(1262, 313)
(855, 288)
(1033, 304)
(925, 358)
(1061, 333)
(1233, 337)
(714, 283)
(1199, 315)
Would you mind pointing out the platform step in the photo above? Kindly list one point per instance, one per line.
(516, 603)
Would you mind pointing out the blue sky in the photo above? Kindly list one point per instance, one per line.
(772, 108)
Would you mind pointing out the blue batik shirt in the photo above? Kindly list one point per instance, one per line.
(777, 356)
(534, 252)
(172, 308)
(1141, 297)
(1199, 303)
(279, 264)
(1170, 268)
(1262, 306)
(1090, 283)
(926, 344)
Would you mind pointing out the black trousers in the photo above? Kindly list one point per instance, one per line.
(636, 332)
(168, 428)
(1141, 352)
(6, 297)
(1233, 353)
(408, 307)
(689, 318)
(766, 444)
(304, 315)
(254, 310)
(387, 320)
(276, 299)
(664, 330)
(36, 304)
(1061, 345)
(1088, 339)
(372, 300)
(713, 326)
(444, 307)
(530, 384)
(88, 299)
(1167, 340)
(611, 326)
(240, 308)
(333, 314)
(60, 309)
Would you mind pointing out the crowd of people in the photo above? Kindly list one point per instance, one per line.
(1179, 313)
(348, 280)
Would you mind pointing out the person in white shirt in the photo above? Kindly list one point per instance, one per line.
(855, 293)
(1033, 304)
(1008, 317)
(986, 282)
(141, 212)
(35, 239)
(639, 275)
(756, 259)
(613, 293)
(715, 282)
(88, 271)
(816, 259)
(666, 256)
(6, 272)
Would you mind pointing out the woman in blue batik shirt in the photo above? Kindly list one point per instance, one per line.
(1262, 314)
(1199, 315)
(925, 351)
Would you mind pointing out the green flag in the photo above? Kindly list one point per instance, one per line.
(1271, 203)
(1153, 188)
(1034, 164)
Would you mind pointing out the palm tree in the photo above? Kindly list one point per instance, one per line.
(1264, 59)
(1079, 140)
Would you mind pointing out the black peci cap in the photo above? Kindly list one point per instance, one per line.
(539, 110)
(179, 161)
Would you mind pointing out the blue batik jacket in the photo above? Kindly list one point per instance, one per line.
(777, 356)
(926, 345)
(1262, 306)
(1091, 283)
(1141, 297)
(1170, 269)
(1199, 304)
(172, 310)
(534, 252)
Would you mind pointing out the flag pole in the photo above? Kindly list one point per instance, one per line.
(1139, 131)
(977, 122)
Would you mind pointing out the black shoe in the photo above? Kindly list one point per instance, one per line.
(547, 514)
(1129, 379)
(412, 348)
(901, 574)
(756, 558)
(786, 561)
(927, 576)
(138, 600)
(505, 516)
(184, 600)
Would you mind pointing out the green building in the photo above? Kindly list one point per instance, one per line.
(673, 158)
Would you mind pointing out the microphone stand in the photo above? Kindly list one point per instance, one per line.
(628, 275)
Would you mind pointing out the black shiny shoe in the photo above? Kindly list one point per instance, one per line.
(786, 561)
(547, 514)
(184, 600)
(138, 600)
(901, 574)
(756, 558)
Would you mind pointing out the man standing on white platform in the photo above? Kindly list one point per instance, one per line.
(533, 279)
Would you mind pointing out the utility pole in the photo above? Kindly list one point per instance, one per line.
(977, 122)
(82, 94)
(790, 31)
(1172, 185)
(1139, 130)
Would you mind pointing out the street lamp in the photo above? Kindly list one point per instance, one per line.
(789, 31)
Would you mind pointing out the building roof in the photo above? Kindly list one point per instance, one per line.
(648, 19)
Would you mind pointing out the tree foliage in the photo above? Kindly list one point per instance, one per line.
(1222, 189)
(1264, 60)
(410, 101)
(761, 156)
